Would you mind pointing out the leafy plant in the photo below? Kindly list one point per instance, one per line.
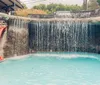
(51, 8)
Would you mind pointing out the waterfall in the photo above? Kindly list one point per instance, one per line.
(25, 37)
(70, 36)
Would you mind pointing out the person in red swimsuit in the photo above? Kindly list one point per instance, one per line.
(1, 58)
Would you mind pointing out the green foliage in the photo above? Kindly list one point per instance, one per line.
(25, 7)
(51, 8)
(98, 2)
(41, 7)
(93, 4)
(85, 4)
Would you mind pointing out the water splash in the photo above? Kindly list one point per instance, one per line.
(70, 55)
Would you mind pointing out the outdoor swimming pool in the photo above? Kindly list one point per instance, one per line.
(52, 69)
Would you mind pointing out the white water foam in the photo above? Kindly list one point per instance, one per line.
(57, 55)
(18, 57)
(69, 56)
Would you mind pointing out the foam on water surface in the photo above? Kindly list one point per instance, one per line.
(69, 55)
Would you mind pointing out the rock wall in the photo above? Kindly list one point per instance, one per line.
(16, 42)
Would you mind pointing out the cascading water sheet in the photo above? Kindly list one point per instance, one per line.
(60, 36)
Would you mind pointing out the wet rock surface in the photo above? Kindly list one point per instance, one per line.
(17, 43)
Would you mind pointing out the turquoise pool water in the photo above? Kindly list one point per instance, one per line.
(52, 69)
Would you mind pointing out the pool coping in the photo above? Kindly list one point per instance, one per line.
(94, 19)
